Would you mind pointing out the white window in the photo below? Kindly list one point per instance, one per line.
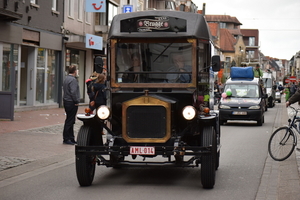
(80, 10)
(54, 5)
(222, 25)
(71, 8)
(250, 54)
(112, 11)
(87, 17)
(251, 41)
(33, 1)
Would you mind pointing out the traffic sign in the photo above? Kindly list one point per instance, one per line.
(293, 79)
(127, 8)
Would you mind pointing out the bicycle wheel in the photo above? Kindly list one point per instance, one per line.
(282, 143)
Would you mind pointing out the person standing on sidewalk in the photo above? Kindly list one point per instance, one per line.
(71, 99)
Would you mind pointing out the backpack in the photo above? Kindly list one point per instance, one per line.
(89, 85)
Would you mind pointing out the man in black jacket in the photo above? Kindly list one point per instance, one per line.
(71, 100)
(294, 98)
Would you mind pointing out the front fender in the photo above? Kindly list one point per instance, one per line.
(89, 120)
(207, 120)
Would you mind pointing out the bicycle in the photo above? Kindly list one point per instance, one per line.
(284, 139)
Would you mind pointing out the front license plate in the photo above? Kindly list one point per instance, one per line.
(239, 113)
(134, 150)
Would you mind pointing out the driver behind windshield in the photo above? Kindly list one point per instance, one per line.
(179, 66)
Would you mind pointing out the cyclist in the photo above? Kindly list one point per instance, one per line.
(294, 98)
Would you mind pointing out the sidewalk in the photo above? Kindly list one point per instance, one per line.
(34, 140)
(281, 180)
(33, 136)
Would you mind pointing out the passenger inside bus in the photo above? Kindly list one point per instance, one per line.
(179, 65)
(136, 67)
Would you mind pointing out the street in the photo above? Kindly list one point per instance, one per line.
(240, 175)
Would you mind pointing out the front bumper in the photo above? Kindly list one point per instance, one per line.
(227, 114)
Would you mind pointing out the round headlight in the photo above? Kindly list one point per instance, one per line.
(103, 112)
(189, 112)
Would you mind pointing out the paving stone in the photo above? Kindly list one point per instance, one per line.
(10, 162)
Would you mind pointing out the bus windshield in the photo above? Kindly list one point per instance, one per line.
(153, 62)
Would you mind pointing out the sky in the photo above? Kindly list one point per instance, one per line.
(278, 22)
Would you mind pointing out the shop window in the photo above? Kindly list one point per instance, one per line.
(9, 55)
(77, 58)
(52, 79)
(40, 76)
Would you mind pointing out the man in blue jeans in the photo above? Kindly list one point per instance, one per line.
(71, 100)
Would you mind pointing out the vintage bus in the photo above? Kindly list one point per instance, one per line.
(159, 98)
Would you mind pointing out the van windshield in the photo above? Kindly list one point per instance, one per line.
(242, 91)
(153, 63)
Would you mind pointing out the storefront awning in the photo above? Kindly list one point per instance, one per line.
(8, 15)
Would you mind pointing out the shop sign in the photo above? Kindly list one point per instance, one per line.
(95, 6)
(93, 42)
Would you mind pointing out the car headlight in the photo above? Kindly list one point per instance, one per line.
(224, 107)
(254, 107)
(189, 112)
(103, 112)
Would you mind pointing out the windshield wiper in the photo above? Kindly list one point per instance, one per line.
(163, 52)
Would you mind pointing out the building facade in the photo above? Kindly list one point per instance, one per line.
(40, 39)
(30, 52)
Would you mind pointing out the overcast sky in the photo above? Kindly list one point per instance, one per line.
(278, 22)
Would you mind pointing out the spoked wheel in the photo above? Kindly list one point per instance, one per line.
(85, 164)
(282, 143)
(208, 163)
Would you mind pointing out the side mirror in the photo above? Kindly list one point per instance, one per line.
(216, 63)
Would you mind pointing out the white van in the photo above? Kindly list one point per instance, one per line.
(270, 88)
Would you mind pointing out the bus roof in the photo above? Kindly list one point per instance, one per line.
(159, 24)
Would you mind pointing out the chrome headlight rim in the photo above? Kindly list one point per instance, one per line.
(103, 112)
(189, 112)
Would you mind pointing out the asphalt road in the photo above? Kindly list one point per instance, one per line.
(245, 172)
